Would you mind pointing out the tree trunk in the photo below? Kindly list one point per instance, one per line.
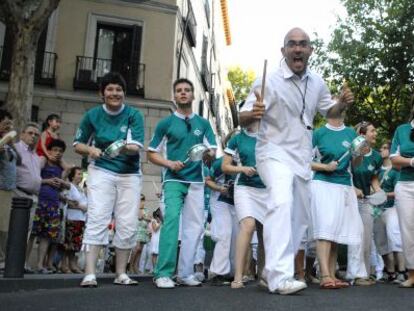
(20, 92)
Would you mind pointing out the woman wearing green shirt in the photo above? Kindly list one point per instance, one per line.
(334, 206)
(402, 155)
(365, 178)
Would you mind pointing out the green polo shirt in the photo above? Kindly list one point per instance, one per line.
(402, 145)
(388, 178)
(103, 128)
(370, 166)
(175, 136)
(243, 146)
(330, 143)
(216, 174)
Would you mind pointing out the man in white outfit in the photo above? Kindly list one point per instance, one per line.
(292, 96)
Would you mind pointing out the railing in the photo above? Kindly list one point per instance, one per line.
(45, 68)
(45, 73)
(90, 70)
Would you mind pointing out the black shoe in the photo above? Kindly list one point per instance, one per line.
(219, 280)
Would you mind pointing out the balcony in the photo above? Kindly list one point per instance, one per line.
(90, 70)
(45, 68)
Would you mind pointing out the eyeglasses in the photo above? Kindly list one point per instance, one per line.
(188, 124)
(302, 43)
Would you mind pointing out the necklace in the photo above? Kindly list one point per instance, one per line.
(303, 96)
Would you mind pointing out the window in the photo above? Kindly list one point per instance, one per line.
(112, 45)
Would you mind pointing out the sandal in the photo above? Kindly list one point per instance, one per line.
(341, 283)
(124, 279)
(237, 284)
(407, 284)
(89, 281)
(328, 283)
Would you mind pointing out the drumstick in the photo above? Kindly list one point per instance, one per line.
(262, 91)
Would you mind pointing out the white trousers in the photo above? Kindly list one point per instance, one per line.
(112, 194)
(286, 221)
(404, 201)
(201, 252)
(192, 226)
(359, 256)
(225, 227)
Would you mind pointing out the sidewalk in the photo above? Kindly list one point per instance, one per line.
(32, 282)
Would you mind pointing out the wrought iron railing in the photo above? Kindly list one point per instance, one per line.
(45, 68)
(90, 70)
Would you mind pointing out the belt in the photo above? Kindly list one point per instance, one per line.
(24, 191)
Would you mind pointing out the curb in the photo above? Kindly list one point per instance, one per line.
(32, 282)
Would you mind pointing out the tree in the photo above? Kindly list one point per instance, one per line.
(26, 19)
(373, 49)
(241, 81)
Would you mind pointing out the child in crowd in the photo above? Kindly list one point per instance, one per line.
(155, 237)
(50, 131)
(48, 215)
(142, 235)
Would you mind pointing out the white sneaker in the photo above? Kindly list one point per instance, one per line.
(164, 282)
(189, 281)
(199, 276)
(290, 287)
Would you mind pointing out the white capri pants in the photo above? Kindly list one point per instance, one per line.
(250, 202)
(404, 201)
(225, 228)
(112, 193)
(359, 256)
(392, 226)
(286, 221)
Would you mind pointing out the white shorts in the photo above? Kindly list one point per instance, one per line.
(117, 195)
(335, 214)
(250, 202)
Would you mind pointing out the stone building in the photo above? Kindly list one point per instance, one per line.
(150, 42)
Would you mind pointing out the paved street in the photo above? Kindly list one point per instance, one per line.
(146, 297)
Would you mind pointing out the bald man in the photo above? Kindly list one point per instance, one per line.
(293, 94)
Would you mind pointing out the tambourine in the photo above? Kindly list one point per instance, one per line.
(114, 149)
(357, 144)
(377, 198)
(196, 153)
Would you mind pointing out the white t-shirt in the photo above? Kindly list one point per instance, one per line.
(282, 134)
(75, 195)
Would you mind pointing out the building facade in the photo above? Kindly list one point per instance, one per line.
(151, 43)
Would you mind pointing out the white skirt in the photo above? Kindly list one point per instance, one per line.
(155, 241)
(392, 225)
(250, 202)
(335, 214)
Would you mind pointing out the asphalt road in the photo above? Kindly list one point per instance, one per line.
(146, 297)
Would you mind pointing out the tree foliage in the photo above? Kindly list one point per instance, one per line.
(26, 19)
(241, 81)
(373, 49)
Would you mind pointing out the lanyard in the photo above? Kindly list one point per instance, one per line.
(303, 96)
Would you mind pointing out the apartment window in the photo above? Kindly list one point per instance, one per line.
(117, 47)
(190, 21)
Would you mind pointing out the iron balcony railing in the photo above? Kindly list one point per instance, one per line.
(90, 70)
(45, 68)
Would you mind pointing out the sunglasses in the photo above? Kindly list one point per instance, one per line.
(187, 124)
(412, 134)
